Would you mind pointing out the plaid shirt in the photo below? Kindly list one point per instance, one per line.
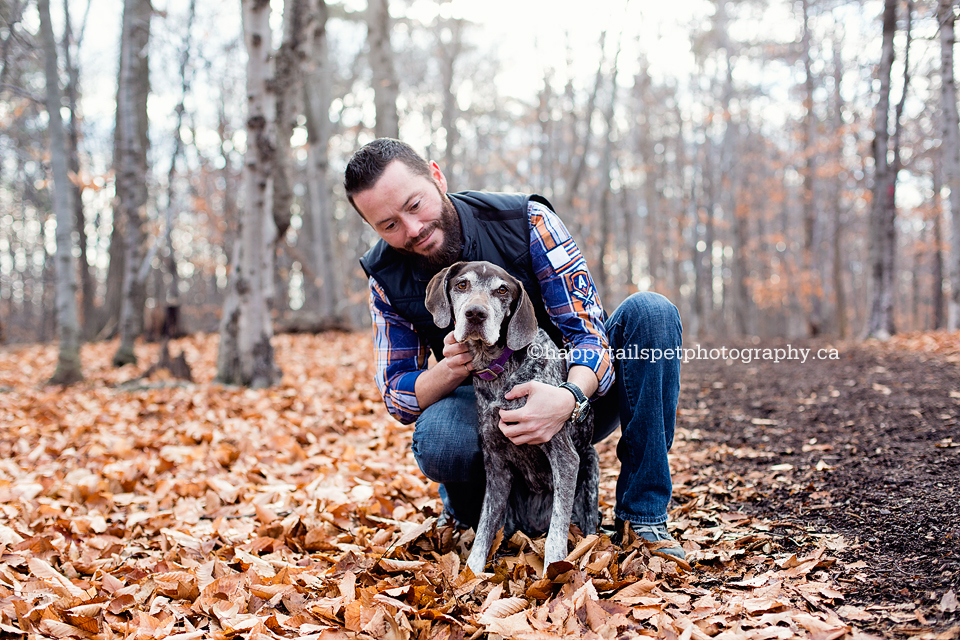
(568, 293)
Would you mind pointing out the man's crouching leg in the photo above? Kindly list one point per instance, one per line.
(446, 446)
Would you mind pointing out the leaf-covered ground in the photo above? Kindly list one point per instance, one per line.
(160, 509)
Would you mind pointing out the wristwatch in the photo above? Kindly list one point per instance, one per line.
(582, 403)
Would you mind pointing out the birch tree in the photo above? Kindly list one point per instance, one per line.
(68, 327)
(950, 150)
(882, 216)
(246, 353)
(133, 87)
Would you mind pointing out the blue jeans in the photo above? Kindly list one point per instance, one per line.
(643, 401)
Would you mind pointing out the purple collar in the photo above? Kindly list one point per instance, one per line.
(495, 368)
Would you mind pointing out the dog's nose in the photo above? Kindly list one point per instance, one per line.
(475, 313)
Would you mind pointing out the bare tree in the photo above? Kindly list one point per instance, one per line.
(171, 323)
(950, 150)
(883, 213)
(385, 86)
(318, 95)
(839, 288)
(287, 80)
(68, 327)
(246, 353)
(811, 272)
(607, 166)
(132, 170)
(87, 283)
(450, 50)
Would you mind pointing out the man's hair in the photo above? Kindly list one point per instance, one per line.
(369, 162)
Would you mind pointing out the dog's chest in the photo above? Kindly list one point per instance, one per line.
(527, 461)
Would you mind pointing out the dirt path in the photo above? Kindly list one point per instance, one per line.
(866, 445)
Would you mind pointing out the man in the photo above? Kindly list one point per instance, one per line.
(423, 229)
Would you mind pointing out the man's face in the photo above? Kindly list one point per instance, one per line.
(412, 214)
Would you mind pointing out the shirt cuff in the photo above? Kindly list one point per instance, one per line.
(597, 359)
(403, 396)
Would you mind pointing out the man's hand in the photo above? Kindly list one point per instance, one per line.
(456, 357)
(547, 409)
(445, 376)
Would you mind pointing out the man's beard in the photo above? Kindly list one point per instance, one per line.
(448, 252)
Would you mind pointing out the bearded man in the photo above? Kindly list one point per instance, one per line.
(423, 229)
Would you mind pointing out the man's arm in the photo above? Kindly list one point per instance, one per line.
(400, 357)
(407, 386)
(441, 379)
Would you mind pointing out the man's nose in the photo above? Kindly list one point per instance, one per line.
(414, 226)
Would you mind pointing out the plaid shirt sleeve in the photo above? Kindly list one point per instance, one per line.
(400, 357)
(569, 293)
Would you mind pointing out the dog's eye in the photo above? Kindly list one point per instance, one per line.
(461, 286)
(502, 290)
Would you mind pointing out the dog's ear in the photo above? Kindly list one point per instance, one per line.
(438, 298)
(523, 323)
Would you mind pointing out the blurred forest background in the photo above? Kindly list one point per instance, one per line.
(775, 167)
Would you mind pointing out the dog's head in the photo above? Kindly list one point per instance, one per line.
(484, 302)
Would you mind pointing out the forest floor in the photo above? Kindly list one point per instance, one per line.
(867, 446)
(815, 499)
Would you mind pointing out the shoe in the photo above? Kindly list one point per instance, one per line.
(447, 519)
(656, 533)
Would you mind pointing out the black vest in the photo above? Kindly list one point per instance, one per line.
(496, 228)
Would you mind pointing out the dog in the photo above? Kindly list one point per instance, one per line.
(534, 488)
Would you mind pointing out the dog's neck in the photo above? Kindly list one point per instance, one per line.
(484, 354)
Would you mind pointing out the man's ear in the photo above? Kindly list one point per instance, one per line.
(438, 177)
(523, 323)
(438, 297)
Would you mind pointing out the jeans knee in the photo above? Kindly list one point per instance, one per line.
(650, 318)
(444, 459)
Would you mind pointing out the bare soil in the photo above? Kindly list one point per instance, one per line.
(866, 446)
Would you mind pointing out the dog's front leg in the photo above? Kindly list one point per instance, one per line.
(499, 482)
(564, 463)
(587, 501)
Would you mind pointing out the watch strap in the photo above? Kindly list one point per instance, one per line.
(579, 397)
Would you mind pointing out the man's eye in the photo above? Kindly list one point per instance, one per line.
(415, 206)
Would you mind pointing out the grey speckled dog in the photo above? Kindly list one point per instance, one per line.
(534, 488)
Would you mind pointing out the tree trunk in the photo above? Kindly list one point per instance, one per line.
(68, 328)
(287, 82)
(839, 288)
(606, 165)
(882, 217)
(450, 51)
(951, 152)
(385, 85)
(246, 354)
(88, 286)
(169, 299)
(728, 182)
(318, 94)
(937, 320)
(648, 157)
(132, 170)
(811, 271)
(579, 166)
